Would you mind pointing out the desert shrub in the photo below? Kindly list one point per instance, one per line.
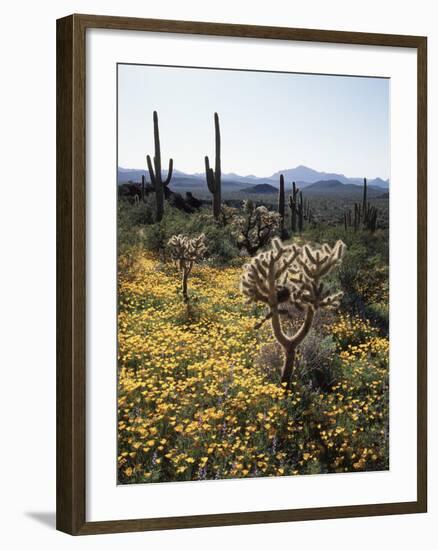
(366, 290)
(221, 245)
(317, 364)
(131, 214)
(348, 277)
(156, 236)
(352, 330)
(132, 219)
(364, 274)
(219, 240)
(378, 313)
(270, 361)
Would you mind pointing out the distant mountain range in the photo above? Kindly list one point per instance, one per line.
(327, 188)
(304, 177)
(346, 190)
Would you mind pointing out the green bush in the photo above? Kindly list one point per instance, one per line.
(378, 313)
(137, 228)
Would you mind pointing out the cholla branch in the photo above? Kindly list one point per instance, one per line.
(290, 276)
(185, 251)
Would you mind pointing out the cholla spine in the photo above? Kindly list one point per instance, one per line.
(185, 251)
(290, 276)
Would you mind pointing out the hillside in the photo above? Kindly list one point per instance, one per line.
(261, 189)
(335, 188)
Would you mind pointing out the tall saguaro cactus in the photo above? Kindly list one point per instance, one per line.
(293, 205)
(281, 205)
(291, 276)
(155, 172)
(214, 176)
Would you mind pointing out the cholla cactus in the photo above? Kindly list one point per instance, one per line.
(186, 251)
(290, 276)
(256, 226)
(228, 214)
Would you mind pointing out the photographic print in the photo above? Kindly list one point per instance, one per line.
(253, 274)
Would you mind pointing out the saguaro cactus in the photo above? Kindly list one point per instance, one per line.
(214, 176)
(300, 213)
(155, 172)
(143, 187)
(186, 251)
(293, 205)
(369, 212)
(281, 205)
(365, 215)
(364, 197)
(286, 276)
(357, 216)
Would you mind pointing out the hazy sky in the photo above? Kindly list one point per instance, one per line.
(269, 121)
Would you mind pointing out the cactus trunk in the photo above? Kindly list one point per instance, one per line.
(159, 203)
(300, 213)
(142, 188)
(185, 276)
(364, 200)
(214, 176)
(155, 172)
(293, 208)
(288, 368)
(281, 207)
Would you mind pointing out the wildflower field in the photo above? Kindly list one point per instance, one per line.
(199, 395)
(253, 309)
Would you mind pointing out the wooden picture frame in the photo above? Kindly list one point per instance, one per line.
(71, 273)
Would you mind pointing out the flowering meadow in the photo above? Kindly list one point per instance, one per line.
(199, 395)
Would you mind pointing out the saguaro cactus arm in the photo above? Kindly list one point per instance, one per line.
(151, 171)
(169, 173)
(217, 139)
(211, 183)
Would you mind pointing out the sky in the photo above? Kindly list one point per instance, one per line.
(269, 121)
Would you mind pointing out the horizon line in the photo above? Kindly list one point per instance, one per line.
(278, 172)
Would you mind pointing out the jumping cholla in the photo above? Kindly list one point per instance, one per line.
(287, 276)
(186, 251)
(255, 226)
